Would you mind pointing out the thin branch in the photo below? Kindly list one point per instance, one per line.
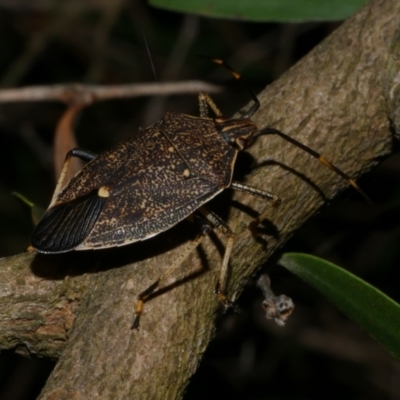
(87, 94)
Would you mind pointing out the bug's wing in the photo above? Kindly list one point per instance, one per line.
(70, 219)
(66, 225)
(149, 210)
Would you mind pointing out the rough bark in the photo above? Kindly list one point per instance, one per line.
(341, 99)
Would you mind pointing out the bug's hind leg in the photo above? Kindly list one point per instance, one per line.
(208, 220)
(144, 296)
(83, 155)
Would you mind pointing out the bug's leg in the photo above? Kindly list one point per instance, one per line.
(206, 101)
(257, 192)
(313, 153)
(260, 193)
(256, 105)
(83, 155)
(222, 227)
(144, 296)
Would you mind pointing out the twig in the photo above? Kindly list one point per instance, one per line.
(86, 94)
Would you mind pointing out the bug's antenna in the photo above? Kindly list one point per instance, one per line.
(239, 78)
(150, 58)
(272, 131)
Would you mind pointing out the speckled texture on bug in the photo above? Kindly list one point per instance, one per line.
(146, 184)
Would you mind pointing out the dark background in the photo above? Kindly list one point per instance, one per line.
(319, 351)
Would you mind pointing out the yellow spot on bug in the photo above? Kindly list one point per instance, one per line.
(186, 173)
(171, 149)
(103, 192)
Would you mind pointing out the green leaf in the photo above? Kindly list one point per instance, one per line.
(371, 309)
(266, 10)
(36, 211)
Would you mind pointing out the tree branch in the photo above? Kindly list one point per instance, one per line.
(339, 100)
(87, 94)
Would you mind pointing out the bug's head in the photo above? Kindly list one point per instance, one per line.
(239, 133)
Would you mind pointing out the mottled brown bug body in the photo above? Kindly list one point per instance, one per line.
(154, 179)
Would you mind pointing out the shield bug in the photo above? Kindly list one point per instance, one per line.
(153, 180)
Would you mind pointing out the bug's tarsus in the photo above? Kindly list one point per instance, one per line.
(142, 297)
(225, 301)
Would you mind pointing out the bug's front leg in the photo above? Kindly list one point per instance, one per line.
(79, 153)
(206, 101)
